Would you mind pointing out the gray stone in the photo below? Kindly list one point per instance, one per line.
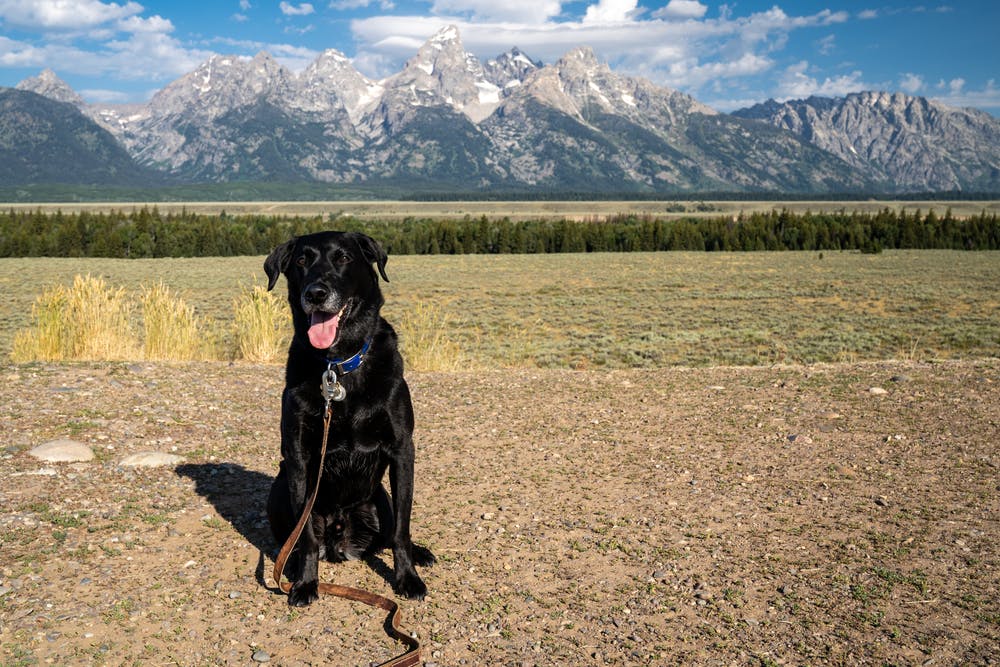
(261, 656)
(65, 451)
(150, 460)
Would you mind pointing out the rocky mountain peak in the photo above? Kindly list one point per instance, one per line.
(223, 83)
(331, 82)
(48, 84)
(510, 69)
(918, 143)
(443, 73)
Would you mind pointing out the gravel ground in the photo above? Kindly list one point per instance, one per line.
(784, 515)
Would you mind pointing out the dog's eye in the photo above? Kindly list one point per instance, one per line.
(301, 261)
(343, 258)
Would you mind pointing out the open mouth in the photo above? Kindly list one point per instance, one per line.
(323, 328)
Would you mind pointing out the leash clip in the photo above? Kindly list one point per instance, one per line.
(332, 389)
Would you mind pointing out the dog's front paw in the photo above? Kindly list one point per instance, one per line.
(422, 556)
(410, 585)
(303, 594)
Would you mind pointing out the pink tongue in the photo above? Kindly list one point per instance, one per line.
(323, 329)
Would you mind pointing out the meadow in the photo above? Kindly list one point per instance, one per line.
(605, 310)
(516, 210)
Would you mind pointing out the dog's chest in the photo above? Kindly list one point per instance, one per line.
(349, 462)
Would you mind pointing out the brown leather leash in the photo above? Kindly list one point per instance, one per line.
(412, 656)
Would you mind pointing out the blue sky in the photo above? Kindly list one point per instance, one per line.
(727, 55)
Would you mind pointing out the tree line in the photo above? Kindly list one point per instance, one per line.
(146, 232)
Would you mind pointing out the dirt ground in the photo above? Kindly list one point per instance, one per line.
(723, 516)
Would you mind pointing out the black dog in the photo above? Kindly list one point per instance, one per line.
(335, 300)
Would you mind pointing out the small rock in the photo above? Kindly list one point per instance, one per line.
(877, 391)
(882, 501)
(801, 439)
(234, 595)
(900, 378)
(487, 516)
(660, 574)
(4, 590)
(150, 460)
(261, 656)
(62, 451)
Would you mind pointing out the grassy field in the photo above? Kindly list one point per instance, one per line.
(517, 210)
(620, 310)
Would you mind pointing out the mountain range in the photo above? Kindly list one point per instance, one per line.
(448, 121)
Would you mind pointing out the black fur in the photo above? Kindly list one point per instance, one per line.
(371, 431)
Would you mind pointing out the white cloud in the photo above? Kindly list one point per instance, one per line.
(681, 9)
(304, 9)
(827, 45)
(693, 74)
(131, 47)
(867, 14)
(795, 83)
(62, 15)
(911, 83)
(516, 11)
(986, 98)
(245, 5)
(384, 5)
(611, 11)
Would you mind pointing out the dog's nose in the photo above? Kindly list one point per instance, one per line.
(316, 293)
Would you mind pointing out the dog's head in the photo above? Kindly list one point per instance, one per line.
(332, 286)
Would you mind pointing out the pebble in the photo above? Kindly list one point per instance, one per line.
(882, 501)
(900, 378)
(4, 590)
(877, 391)
(234, 595)
(261, 656)
(660, 574)
(150, 460)
(62, 451)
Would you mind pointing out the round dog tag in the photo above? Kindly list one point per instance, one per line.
(332, 389)
(337, 392)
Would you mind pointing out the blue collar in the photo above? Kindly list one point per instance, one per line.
(345, 366)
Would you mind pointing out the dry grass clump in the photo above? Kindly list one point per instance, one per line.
(259, 325)
(171, 329)
(424, 341)
(89, 320)
(92, 321)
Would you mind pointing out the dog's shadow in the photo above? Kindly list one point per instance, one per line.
(239, 496)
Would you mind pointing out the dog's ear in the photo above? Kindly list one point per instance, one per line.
(372, 251)
(277, 262)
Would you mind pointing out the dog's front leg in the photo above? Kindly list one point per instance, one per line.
(301, 478)
(408, 582)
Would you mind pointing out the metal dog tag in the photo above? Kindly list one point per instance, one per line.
(332, 389)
